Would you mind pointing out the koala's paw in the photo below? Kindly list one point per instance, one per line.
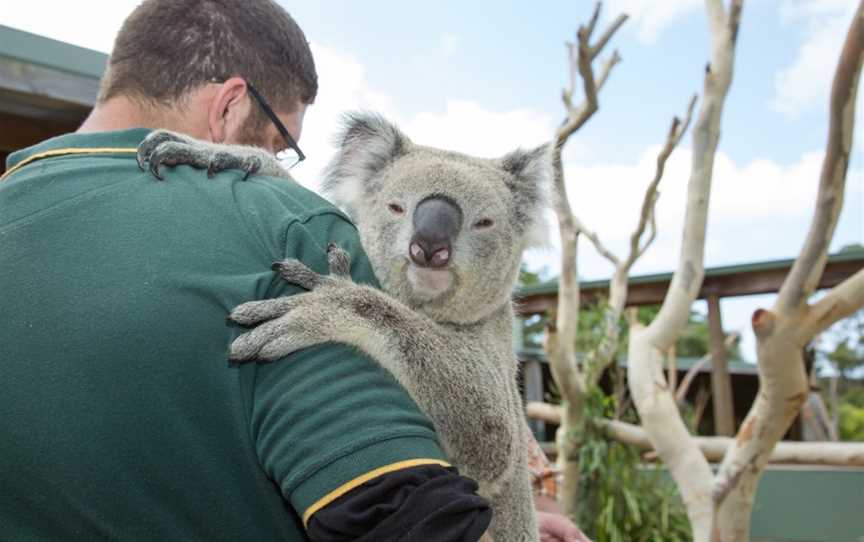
(299, 274)
(222, 161)
(291, 323)
(161, 148)
(165, 148)
(339, 261)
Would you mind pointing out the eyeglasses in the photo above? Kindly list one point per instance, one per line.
(290, 156)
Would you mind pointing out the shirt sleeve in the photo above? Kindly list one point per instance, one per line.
(420, 503)
(327, 419)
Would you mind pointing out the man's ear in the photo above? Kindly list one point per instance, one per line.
(366, 145)
(228, 110)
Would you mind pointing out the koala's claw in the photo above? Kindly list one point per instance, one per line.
(277, 337)
(152, 151)
(164, 148)
(254, 312)
(221, 161)
(242, 351)
(298, 274)
(339, 261)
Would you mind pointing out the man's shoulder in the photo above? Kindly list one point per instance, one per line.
(271, 203)
(302, 201)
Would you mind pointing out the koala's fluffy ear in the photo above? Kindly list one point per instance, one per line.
(530, 182)
(366, 145)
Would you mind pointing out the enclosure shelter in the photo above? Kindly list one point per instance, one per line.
(736, 382)
(793, 502)
(47, 88)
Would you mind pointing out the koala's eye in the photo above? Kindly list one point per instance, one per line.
(396, 208)
(483, 224)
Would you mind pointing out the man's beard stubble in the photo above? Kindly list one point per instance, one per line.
(252, 132)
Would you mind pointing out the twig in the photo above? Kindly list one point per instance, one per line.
(647, 214)
(595, 240)
(581, 55)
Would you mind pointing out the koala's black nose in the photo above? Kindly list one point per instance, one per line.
(437, 221)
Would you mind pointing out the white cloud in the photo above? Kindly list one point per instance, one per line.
(342, 87)
(93, 27)
(791, 10)
(463, 126)
(759, 211)
(651, 17)
(449, 43)
(470, 128)
(806, 82)
(756, 198)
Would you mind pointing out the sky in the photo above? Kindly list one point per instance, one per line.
(485, 77)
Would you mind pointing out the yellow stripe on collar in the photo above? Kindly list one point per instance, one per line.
(70, 150)
(360, 480)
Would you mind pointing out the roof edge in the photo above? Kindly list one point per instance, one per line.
(551, 286)
(35, 49)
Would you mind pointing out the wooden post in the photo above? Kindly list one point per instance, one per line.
(532, 377)
(532, 382)
(721, 383)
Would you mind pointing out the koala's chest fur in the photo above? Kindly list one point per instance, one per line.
(482, 431)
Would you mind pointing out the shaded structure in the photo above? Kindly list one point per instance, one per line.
(47, 88)
(733, 384)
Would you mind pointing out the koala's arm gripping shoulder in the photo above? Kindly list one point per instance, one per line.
(166, 148)
(449, 374)
(335, 309)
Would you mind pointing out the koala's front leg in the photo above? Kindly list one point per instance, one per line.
(334, 310)
(514, 518)
(166, 148)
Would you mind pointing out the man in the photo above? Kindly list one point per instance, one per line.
(120, 417)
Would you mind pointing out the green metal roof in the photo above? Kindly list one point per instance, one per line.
(551, 286)
(57, 55)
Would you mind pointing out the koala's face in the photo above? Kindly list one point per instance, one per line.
(444, 231)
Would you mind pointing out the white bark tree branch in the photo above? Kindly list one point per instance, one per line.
(839, 454)
(559, 340)
(703, 362)
(604, 354)
(782, 332)
(648, 387)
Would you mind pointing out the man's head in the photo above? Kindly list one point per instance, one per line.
(191, 57)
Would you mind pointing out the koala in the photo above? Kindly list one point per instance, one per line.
(444, 233)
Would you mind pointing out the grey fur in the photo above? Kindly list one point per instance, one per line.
(166, 148)
(450, 349)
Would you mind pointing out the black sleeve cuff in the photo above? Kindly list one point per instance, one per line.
(429, 502)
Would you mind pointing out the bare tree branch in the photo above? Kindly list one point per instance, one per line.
(595, 240)
(607, 35)
(704, 361)
(812, 453)
(559, 340)
(808, 267)
(782, 331)
(606, 68)
(652, 232)
(649, 389)
(842, 301)
(676, 132)
(582, 54)
(594, 18)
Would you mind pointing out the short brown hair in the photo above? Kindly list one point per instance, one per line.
(168, 47)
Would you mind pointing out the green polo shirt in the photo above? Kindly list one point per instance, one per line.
(120, 417)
